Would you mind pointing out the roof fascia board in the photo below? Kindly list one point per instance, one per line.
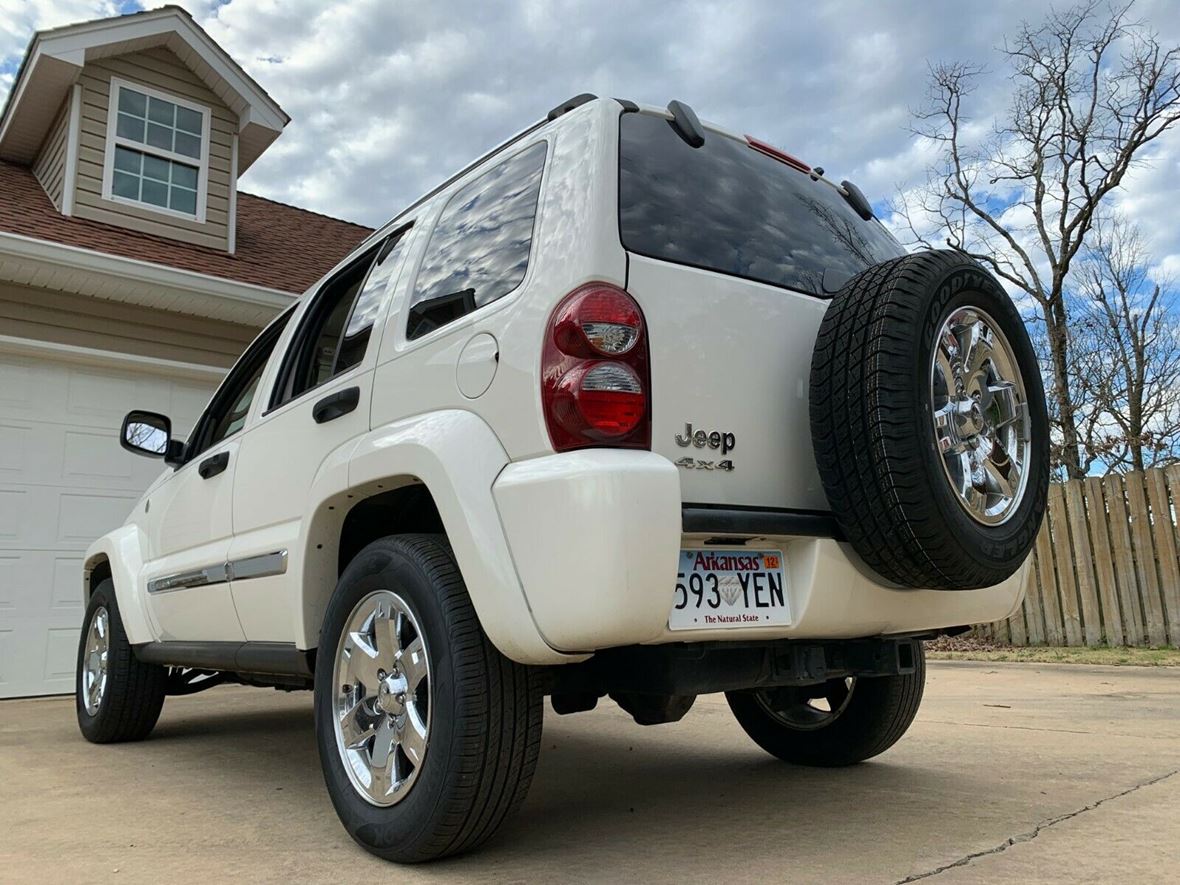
(70, 44)
(76, 258)
(91, 356)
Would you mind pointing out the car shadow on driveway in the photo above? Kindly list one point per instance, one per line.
(698, 791)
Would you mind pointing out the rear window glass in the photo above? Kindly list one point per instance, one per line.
(479, 250)
(726, 207)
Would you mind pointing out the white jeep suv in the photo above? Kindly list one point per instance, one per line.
(632, 406)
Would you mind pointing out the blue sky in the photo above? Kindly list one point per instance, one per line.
(387, 99)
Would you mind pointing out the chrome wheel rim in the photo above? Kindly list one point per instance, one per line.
(94, 661)
(981, 419)
(381, 698)
(808, 707)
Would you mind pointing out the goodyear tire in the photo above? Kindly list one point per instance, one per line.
(928, 423)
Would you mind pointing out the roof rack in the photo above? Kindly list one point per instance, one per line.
(569, 104)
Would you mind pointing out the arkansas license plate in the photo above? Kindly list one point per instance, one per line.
(729, 588)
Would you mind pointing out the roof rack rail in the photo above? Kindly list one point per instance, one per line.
(569, 104)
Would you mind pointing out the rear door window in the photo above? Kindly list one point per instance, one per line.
(726, 207)
(334, 333)
(479, 249)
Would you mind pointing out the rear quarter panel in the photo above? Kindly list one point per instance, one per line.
(575, 240)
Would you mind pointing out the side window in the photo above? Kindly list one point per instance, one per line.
(335, 331)
(227, 410)
(232, 419)
(479, 250)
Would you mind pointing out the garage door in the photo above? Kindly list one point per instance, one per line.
(64, 481)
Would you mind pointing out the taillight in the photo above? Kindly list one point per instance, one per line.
(594, 371)
(777, 153)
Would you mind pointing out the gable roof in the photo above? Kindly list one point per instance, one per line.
(55, 58)
(278, 246)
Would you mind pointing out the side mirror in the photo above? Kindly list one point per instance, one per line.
(150, 434)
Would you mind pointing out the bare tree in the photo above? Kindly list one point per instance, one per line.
(1091, 89)
(1127, 347)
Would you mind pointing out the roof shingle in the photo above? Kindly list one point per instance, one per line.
(278, 246)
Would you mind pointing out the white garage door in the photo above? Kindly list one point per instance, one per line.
(64, 481)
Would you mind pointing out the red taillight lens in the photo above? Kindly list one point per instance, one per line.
(597, 320)
(594, 373)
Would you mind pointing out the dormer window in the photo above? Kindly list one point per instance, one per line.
(157, 152)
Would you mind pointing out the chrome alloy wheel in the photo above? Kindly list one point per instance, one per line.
(94, 664)
(808, 707)
(981, 419)
(381, 698)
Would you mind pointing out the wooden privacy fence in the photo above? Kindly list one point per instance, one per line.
(1105, 569)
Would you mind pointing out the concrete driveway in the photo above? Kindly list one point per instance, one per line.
(1012, 772)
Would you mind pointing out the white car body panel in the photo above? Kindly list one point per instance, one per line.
(562, 554)
(189, 526)
(280, 457)
(122, 551)
(703, 356)
(456, 455)
(600, 569)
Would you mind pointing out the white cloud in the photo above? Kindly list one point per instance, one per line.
(387, 99)
(20, 18)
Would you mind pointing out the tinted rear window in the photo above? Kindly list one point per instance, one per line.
(728, 208)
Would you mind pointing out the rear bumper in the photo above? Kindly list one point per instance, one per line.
(595, 538)
(705, 519)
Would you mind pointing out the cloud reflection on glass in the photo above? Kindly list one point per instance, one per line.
(479, 249)
(729, 208)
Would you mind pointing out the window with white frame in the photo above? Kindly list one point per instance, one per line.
(157, 150)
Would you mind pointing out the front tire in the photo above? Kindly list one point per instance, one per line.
(117, 697)
(860, 717)
(428, 736)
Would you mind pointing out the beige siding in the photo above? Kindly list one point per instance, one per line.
(45, 315)
(159, 69)
(50, 165)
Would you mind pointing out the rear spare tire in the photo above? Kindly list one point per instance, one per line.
(928, 422)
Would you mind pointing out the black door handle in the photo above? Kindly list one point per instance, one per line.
(336, 404)
(213, 465)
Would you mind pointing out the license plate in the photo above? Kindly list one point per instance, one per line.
(729, 588)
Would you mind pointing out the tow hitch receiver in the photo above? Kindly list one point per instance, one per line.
(707, 667)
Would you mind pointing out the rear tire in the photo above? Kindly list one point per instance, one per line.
(874, 715)
(478, 714)
(127, 705)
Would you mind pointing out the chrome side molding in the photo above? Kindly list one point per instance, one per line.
(262, 566)
(198, 577)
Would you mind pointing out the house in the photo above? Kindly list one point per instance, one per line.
(132, 274)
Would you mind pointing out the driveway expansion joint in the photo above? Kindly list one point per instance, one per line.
(1036, 831)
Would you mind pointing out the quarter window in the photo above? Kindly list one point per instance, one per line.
(335, 332)
(157, 150)
(479, 249)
